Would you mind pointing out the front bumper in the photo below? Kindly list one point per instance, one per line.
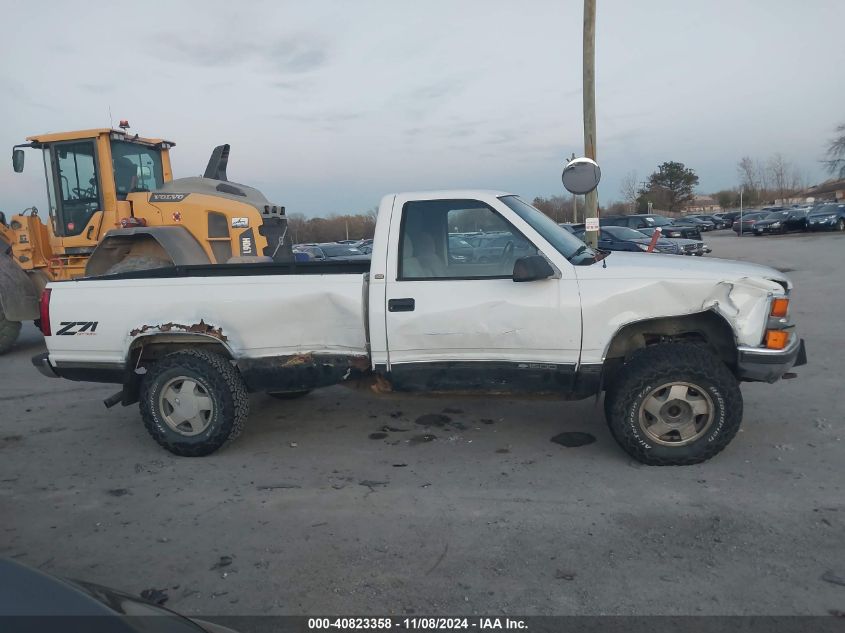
(762, 230)
(822, 225)
(769, 365)
(42, 364)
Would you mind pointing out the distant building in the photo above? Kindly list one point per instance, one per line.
(828, 190)
(703, 204)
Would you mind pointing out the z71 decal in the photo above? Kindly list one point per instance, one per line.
(72, 328)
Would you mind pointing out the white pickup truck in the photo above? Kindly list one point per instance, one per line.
(668, 339)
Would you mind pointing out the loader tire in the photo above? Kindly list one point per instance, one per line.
(193, 402)
(131, 264)
(9, 331)
(673, 404)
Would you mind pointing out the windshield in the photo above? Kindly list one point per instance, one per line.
(623, 233)
(826, 209)
(339, 250)
(136, 167)
(657, 220)
(563, 241)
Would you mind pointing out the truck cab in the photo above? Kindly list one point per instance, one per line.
(90, 177)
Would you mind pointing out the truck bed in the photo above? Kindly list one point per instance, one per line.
(263, 311)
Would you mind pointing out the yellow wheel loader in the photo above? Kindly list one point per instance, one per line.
(113, 206)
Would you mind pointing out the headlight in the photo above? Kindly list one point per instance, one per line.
(674, 234)
(643, 247)
(775, 224)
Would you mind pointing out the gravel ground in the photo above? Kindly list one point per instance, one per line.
(309, 513)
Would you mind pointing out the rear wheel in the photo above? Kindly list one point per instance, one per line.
(9, 331)
(141, 262)
(674, 404)
(193, 402)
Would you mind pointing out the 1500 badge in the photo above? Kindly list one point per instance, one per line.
(72, 328)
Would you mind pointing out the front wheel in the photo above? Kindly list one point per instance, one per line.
(9, 331)
(674, 404)
(193, 402)
(840, 226)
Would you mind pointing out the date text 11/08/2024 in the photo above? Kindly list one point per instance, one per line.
(417, 623)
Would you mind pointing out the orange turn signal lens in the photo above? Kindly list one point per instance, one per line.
(776, 339)
(780, 307)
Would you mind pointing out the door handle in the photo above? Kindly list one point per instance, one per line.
(400, 305)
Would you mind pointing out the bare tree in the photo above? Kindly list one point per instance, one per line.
(763, 175)
(557, 208)
(778, 170)
(797, 180)
(628, 189)
(836, 153)
(748, 174)
(296, 226)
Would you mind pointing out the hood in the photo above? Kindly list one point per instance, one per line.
(680, 241)
(622, 265)
(663, 241)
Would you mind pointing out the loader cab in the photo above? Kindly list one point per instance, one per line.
(89, 175)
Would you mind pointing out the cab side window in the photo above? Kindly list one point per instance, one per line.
(78, 184)
(457, 239)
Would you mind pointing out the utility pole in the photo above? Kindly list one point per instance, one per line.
(589, 60)
(574, 201)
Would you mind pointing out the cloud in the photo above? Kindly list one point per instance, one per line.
(96, 88)
(294, 55)
(297, 55)
(204, 51)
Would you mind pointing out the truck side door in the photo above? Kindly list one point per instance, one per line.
(456, 321)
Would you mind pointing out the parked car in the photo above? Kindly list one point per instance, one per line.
(460, 249)
(491, 247)
(688, 220)
(669, 341)
(827, 217)
(571, 226)
(744, 226)
(312, 253)
(686, 247)
(621, 238)
(718, 223)
(729, 217)
(645, 220)
(33, 600)
(781, 222)
(337, 251)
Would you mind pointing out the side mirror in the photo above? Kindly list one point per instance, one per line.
(532, 268)
(17, 160)
(581, 176)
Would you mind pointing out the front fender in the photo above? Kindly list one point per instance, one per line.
(176, 243)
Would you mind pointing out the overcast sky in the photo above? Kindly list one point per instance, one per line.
(329, 105)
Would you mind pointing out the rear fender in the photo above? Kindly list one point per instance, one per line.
(155, 342)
